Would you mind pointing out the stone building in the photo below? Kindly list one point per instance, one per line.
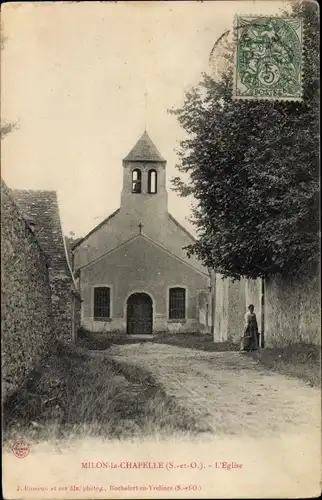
(39, 300)
(133, 272)
(40, 210)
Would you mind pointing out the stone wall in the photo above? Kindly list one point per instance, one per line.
(62, 304)
(76, 309)
(41, 208)
(26, 312)
(229, 309)
(293, 310)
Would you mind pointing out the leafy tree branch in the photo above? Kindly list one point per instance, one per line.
(253, 169)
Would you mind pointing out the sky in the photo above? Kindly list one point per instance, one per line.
(74, 78)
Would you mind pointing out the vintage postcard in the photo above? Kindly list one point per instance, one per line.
(160, 250)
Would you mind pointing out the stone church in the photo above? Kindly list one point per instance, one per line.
(132, 270)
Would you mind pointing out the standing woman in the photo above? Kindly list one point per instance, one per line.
(250, 336)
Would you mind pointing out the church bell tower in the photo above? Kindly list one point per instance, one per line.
(144, 197)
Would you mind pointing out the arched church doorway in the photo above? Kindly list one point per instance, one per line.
(139, 314)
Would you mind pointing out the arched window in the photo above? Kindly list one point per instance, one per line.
(152, 181)
(136, 181)
(102, 303)
(177, 303)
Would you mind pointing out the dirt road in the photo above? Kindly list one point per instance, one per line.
(227, 391)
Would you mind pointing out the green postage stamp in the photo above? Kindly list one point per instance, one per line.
(268, 58)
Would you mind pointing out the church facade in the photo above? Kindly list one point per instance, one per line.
(133, 273)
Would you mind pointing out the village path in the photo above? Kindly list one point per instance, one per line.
(228, 392)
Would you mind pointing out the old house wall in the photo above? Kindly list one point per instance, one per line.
(293, 310)
(76, 315)
(26, 312)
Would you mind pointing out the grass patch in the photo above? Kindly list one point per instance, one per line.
(75, 392)
(101, 341)
(202, 342)
(301, 361)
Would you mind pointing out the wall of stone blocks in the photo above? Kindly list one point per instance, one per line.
(62, 304)
(26, 310)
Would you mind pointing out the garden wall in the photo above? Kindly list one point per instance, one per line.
(293, 310)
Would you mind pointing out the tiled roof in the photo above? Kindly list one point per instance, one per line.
(40, 209)
(144, 150)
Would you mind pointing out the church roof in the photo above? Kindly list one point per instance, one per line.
(144, 150)
(40, 208)
(80, 240)
(146, 238)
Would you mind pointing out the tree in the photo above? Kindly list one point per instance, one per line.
(253, 170)
(6, 128)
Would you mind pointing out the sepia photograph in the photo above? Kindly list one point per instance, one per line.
(160, 249)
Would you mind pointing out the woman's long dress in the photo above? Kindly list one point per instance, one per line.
(250, 333)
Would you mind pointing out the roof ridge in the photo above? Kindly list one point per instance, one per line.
(108, 252)
(155, 243)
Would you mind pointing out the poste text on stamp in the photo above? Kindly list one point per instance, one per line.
(268, 58)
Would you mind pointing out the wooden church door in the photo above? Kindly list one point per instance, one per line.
(139, 314)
